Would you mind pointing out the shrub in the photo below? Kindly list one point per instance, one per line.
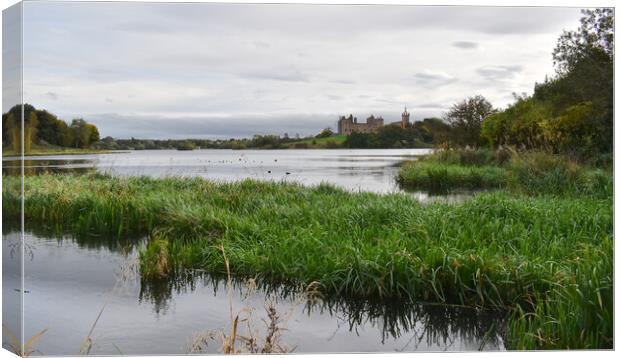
(467, 157)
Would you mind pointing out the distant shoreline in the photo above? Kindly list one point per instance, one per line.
(39, 153)
(12, 155)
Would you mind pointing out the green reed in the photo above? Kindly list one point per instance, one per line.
(529, 173)
(547, 258)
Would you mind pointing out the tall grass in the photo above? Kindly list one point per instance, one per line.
(529, 173)
(496, 250)
(466, 157)
(440, 177)
(540, 172)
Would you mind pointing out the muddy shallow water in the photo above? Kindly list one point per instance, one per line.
(68, 282)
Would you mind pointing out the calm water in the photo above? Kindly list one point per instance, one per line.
(68, 282)
(353, 169)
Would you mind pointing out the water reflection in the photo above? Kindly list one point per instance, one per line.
(12, 167)
(67, 274)
(356, 169)
(436, 324)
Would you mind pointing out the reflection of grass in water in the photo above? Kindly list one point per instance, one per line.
(440, 323)
(496, 250)
(252, 340)
(128, 271)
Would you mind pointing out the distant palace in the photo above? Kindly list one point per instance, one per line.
(348, 125)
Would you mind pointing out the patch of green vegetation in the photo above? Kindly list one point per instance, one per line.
(318, 143)
(547, 258)
(531, 173)
(52, 150)
(440, 177)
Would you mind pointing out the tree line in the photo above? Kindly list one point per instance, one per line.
(44, 129)
(257, 142)
(420, 134)
(570, 112)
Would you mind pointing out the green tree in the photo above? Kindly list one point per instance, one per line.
(81, 133)
(12, 129)
(93, 134)
(325, 133)
(30, 131)
(360, 140)
(466, 118)
(584, 65)
(432, 130)
(593, 39)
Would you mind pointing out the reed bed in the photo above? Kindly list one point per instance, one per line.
(547, 258)
(440, 177)
(528, 173)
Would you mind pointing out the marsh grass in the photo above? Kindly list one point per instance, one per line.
(529, 173)
(534, 173)
(496, 250)
(440, 177)
(466, 157)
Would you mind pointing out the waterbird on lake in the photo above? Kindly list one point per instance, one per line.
(287, 173)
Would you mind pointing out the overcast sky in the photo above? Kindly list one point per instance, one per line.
(226, 70)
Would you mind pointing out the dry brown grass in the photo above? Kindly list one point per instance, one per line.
(244, 336)
(15, 345)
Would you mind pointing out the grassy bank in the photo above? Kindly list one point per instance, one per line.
(528, 173)
(37, 151)
(548, 258)
(440, 177)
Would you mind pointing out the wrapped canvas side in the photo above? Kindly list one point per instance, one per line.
(13, 248)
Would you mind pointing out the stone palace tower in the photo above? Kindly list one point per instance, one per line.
(405, 119)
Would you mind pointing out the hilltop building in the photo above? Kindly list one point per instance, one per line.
(348, 125)
(404, 122)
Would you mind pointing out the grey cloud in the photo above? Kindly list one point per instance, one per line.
(144, 28)
(277, 75)
(159, 127)
(431, 79)
(226, 60)
(499, 72)
(430, 105)
(51, 95)
(466, 45)
(343, 81)
(11, 57)
(262, 44)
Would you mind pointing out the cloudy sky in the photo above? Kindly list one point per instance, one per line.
(227, 70)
